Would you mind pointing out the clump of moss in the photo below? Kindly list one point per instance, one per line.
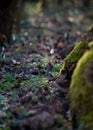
(81, 89)
(90, 45)
(71, 60)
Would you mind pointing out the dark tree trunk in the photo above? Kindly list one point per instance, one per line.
(86, 3)
(60, 2)
(8, 9)
(44, 4)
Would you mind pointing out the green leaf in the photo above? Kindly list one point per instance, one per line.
(9, 78)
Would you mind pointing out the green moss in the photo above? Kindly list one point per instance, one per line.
(76, 53)
(81, 90)
(91, 45)
(71, 60)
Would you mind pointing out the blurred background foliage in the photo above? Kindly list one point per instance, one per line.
(11, 12)
(51, 3)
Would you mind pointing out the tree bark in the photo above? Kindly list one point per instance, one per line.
(77, 68)
(8, 9)
(71, 60)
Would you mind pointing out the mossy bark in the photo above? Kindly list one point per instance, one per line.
(71, 60)
(78, 68)
(81, 90)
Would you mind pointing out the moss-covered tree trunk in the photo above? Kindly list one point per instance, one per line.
(78, 70)
(81, 91)
(71, 60)
(8, 9)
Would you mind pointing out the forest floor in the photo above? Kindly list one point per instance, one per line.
(29, 98)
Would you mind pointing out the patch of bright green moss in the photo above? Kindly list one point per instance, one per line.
(81, 90)
(73, 57)
(91, 45)
(71, 60)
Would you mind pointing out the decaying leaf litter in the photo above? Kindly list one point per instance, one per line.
(29, 98)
